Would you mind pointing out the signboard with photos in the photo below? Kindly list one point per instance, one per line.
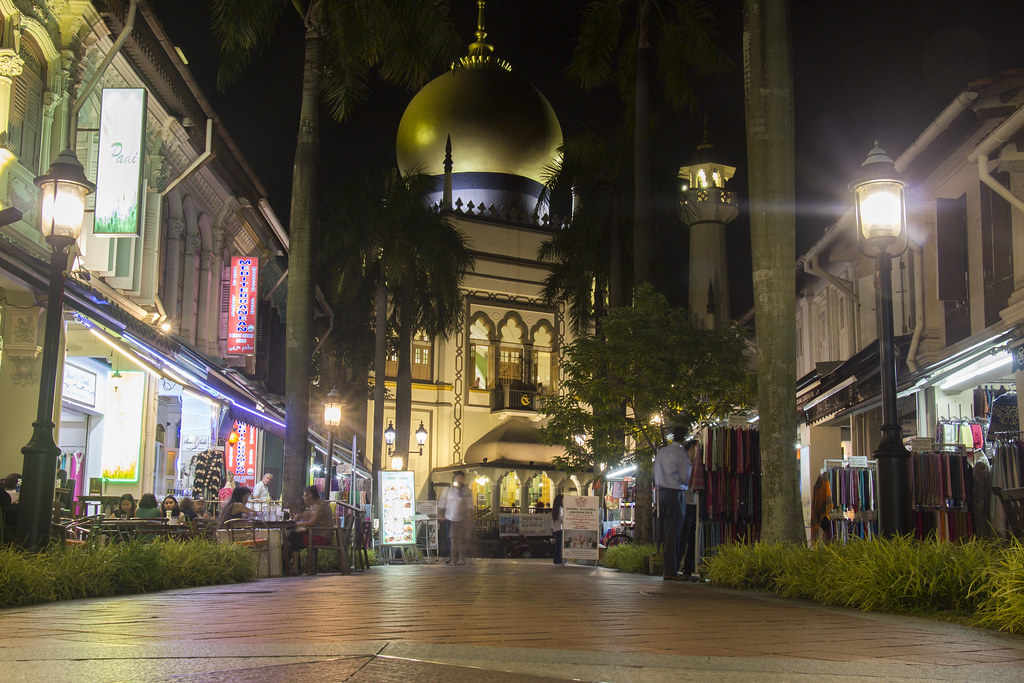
(581, 528)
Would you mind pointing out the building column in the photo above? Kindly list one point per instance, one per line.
(188, 300)
(11, 65)
(203, 318)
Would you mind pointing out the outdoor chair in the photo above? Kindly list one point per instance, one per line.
(330, 538)
(250, 534)
(1013, 503)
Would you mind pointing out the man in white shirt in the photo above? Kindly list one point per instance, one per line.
(261, 490)
(454, 507)
(671, 474)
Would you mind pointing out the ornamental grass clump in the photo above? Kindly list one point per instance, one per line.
(1000, 594)
(628, 557)
(68, 573)
(982, 580)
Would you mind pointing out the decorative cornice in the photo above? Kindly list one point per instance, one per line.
(11, 64)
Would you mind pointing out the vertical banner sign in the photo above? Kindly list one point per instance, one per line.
(119, 169)
(240, 457)
(122, 426)
(580, 528)
(242, 322)
(396, 525)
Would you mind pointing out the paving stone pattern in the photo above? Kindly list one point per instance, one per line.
(491, 620)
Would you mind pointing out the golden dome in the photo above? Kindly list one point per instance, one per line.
(498, 122)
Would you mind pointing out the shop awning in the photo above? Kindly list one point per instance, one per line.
(162, 355)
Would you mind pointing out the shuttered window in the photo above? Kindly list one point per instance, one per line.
(27, 106)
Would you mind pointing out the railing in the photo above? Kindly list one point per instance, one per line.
(507, 398)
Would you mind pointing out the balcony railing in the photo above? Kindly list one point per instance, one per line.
(506, 397)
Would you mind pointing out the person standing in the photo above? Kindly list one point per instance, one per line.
(688, 543)
(556, 527)
(262, 489)
(671, 472)
(455, 509)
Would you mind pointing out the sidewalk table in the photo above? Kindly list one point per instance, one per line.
(122, 530)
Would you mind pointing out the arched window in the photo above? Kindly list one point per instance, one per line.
(544, 359)
(27, 106)
(479, 353)
(510, 352)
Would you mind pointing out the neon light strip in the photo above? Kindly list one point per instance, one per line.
(124, 352)
(624, 470)
(264, 416)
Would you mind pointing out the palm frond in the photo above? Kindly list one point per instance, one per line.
(599, 38)
(244, 30)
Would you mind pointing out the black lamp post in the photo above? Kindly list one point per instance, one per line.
(62, 211)
(421, 437)
(880, 201)
(389, 439)
(332, 418)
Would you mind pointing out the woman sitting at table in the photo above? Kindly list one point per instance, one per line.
(171, 510)
(148, 507)
(125, 507)
(236, 506)
(316, 515)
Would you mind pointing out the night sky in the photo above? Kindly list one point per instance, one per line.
(870, 69)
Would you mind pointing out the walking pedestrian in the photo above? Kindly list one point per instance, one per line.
(556, 527)
(456, 509)
(671, 473)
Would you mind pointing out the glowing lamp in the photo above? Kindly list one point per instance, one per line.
(332, 409)
(421, 436)
(389, 435)
(62, 208)
(880, 203)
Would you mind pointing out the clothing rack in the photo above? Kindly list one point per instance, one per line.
(942, 490)
(844, 501)
(729, 504)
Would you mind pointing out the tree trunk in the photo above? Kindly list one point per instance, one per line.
(770, 153)
(642, 238)
(403, 387)
(616, 271)
(380, 359)
(299, 317)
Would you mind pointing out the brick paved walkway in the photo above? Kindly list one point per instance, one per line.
(527, 619)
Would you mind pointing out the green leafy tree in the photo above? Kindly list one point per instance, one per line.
(770, 154)
(346, 43)
(637, 44)
(665, 371)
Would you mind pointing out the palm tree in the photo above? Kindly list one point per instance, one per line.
(770, 154)
(394, 247)
(587, 264)
(346, 42)
(631, 41)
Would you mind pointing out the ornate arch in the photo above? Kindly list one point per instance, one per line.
(518, 319)
(488, 324)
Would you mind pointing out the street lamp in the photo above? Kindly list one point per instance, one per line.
(332, 418)
(389, 439)
(880, 200)
(421, 437)
(62, 212)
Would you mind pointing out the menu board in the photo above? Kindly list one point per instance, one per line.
(397, 496)
(580, 527)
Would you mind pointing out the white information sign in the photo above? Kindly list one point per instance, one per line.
(397, 497)
(525, 525)
(581, 527)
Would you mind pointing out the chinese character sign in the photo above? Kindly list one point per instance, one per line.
(242, 309)
(240, 457)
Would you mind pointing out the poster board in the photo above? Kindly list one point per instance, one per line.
(524, 525)
(397, 497)
(581, 528)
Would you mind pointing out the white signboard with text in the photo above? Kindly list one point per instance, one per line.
(120, 161)
(581, 528)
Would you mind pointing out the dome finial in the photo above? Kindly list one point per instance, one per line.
(480, 48)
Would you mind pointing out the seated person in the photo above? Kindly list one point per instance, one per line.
(126, 507)
(148, 507)
(8, 517)
(317, 514)
(10, 485)
(236, 507)
(187, 507)
(170, 509)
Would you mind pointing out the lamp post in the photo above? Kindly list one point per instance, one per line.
(332, 418)
(421, 437)
(62, 211)
(880, 200)
(389, 439)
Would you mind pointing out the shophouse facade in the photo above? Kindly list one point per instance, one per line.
(958, 292)
(152, 377)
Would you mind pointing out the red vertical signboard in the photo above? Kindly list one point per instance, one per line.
(242, 310)
(240, 457)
